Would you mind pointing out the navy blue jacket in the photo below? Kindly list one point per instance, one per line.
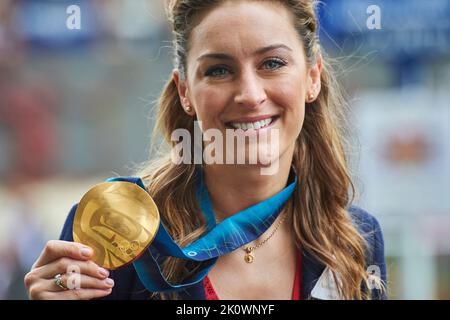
(128, 286)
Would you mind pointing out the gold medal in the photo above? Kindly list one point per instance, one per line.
(118, 220)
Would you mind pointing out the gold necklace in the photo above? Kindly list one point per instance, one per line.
(248, 250)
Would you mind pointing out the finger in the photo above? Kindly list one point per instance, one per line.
(77, 282)
(56, 249)
(81, 294)
(67, 265)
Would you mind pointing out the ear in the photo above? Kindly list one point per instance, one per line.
(314, 79)
(183, 92)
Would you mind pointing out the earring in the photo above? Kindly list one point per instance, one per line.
(188, 108)
(310, 97)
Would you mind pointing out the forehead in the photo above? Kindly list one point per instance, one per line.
(241, 27)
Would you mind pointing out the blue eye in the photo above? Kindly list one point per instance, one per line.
(216, 72)
(222, 71)
(274, 63)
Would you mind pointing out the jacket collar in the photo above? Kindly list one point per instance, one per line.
(311, 272)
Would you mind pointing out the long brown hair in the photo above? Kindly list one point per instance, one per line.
(318, 209)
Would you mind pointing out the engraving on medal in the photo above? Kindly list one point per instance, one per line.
(119, 220)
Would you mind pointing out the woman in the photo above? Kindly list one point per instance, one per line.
(248, 65)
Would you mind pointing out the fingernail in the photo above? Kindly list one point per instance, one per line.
(86, 252)
(109, 282)
(103, 272)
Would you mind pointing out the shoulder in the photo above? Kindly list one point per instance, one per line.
(67, 230)
(363, 220)
(369, 227)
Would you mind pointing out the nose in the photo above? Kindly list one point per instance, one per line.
(251, 91)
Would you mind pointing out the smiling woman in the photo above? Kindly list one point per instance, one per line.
(248, 66)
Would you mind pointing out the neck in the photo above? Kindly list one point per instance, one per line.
(233, 188)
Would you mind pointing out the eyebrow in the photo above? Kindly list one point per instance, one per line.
(224, 56)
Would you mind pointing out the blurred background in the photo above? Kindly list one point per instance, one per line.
(76, 108)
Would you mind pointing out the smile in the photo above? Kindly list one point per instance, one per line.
(255, 125)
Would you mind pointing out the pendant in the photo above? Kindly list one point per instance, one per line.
(248, 255)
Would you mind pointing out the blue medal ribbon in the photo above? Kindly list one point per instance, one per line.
(223, 238)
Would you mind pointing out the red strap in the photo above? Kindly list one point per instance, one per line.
(211, 294)
(298, 279)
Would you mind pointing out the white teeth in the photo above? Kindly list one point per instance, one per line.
(252, 125)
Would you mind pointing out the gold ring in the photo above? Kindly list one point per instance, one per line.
(59, 282)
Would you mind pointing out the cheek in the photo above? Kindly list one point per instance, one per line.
(210, 104)
(290, 97)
